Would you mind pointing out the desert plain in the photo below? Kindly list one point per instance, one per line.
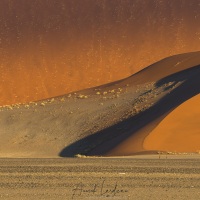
(135, 178)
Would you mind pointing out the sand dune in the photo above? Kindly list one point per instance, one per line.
(119, 118)
(179, 131)
(50, 48)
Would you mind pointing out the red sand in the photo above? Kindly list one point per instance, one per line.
(50, 48)
(179, 131)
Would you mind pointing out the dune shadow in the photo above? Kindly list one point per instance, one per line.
(114, 135)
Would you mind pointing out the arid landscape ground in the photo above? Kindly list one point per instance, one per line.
(100, 99)
(128, 178)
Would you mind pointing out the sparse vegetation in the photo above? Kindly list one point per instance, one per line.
(51, 100)
(80, 156)
(27, 106)
(104, 93)
(42, 104)
(80, 96)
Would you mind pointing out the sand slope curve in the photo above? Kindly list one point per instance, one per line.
(179, 131)
(112, 119)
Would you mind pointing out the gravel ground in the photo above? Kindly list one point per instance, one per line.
(138, 177)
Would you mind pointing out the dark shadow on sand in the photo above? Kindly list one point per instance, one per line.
(103, 141)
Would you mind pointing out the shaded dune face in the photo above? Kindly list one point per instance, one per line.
(50, 48)
(142, 134)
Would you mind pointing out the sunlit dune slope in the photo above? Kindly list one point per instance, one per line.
(179, 131)
(112, 119)
(50, 48)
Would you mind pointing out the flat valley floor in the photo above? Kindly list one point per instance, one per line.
(139, 177)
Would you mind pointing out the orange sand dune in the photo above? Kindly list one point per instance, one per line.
(179, 131)
(161, 137)
(130, 116)
(49, 48)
